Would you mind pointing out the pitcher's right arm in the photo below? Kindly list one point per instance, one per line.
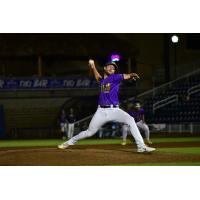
(95, 72)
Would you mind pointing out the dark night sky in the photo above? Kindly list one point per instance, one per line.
(67, 44)
(193, 41)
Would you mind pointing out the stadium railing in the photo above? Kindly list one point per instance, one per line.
(165, 102)
(193, 90)
(159, 89)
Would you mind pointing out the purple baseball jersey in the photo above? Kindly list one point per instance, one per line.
(137, 115)
(109, 90)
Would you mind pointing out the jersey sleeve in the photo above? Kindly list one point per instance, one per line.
(118, 77)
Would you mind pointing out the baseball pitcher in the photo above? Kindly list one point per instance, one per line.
(108, 107)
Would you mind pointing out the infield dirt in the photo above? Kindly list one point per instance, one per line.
(92, 155)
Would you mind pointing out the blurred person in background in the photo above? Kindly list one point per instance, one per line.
(63, 124)
(137, 112)
(71, 119)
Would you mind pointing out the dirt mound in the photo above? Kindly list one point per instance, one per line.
(86, 155)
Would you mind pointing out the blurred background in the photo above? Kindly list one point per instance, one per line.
(42, 74)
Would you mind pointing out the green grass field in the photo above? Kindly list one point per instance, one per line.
(55, 142)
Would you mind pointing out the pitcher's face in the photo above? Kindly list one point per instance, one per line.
(109, 69)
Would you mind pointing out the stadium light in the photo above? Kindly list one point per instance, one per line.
(115, 58)
(174, 39)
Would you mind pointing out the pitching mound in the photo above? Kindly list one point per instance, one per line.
(91, 155)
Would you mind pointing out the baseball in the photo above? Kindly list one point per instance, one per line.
(91, 62)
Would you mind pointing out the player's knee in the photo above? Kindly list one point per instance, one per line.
(130, 120)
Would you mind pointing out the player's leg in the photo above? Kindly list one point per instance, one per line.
(124, 133)
(69, 131)
(62, 130)
(145, 128)
(123, 117)
(101, 133)
(97, 121)
(65, 130)
(72, 130)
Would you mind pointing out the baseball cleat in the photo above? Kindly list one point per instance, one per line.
(63, 146)
(123, 143)
(145, 149)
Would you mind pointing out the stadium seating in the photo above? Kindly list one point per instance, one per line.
(186, 109)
